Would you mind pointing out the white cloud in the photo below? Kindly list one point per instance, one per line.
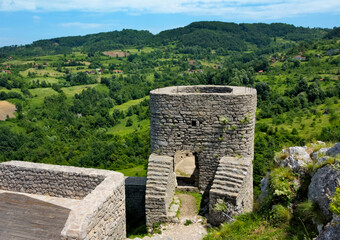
(251, 9)
(82, 25)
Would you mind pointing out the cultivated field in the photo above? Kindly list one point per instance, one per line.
(116, 53)
(6, 109)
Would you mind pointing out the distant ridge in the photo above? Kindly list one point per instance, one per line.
(214, 35)
(334, 33)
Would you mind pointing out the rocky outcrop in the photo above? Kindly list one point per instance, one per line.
(331, 230)
(322, 186)
(334, 151)
(297, 158)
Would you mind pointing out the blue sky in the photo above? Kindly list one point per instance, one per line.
(24, 21)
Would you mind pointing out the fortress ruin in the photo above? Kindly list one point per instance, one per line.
(205, 133)
(215, 124)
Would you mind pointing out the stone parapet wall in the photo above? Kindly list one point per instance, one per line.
(53, 180)
(232, 187)
(160, 188)
(101, 212)
(135, 188)
(210, 121)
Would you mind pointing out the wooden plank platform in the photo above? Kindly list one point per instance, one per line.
(26, 218)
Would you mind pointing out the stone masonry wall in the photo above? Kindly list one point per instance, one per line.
(101, 212)
(160, 189)
(135, 188)
(210, 121)
(56, 181)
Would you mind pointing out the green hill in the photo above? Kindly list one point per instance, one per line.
(214, 35)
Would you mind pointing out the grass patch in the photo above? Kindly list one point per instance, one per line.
(138, 171)
(16, 90)
(121, 129)
(42, 72)
(39, 94)
(71, 91)
(50, 80)
(125, 106)
(248, 226)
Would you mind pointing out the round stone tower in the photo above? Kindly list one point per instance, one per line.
(210, 122)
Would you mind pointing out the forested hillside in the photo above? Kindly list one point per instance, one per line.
(83, 101)
(214, 35)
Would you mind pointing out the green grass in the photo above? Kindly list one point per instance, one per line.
(71, 91)
(17, 90)
(121, 129)
(125, 106)
(50, 80)
(135, 50)
(42, 72)
(39, 94)
(249, 226)
(138, 171)
(102, 88)
(306, 125)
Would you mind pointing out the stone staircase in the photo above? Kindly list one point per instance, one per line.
(233, 186)
(229, 177)
(160, 188)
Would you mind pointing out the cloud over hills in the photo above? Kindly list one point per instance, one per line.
(252, 9)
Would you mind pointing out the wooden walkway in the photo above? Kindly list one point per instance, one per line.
(26, 218)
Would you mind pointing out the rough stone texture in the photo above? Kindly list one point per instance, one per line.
(331, 230)
(334, 151)
(323, 184)
(233, 185)
(101, 212)
(316, 155)
(160, 188)
(135, 188)
(210, 121)
(297, 158)
(56, 181)
(264, 188)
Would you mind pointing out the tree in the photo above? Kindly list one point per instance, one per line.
(129, 122)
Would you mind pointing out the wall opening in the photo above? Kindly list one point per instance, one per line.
(186, 168)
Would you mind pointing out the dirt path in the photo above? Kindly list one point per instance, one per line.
(188, 206)
(183, 229)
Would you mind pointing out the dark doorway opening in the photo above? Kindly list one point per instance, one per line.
(186, 168)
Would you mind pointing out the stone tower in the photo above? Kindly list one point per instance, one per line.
(216, 125)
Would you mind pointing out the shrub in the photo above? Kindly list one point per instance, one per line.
(283, 185)
(334, 206)
(280, 215)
